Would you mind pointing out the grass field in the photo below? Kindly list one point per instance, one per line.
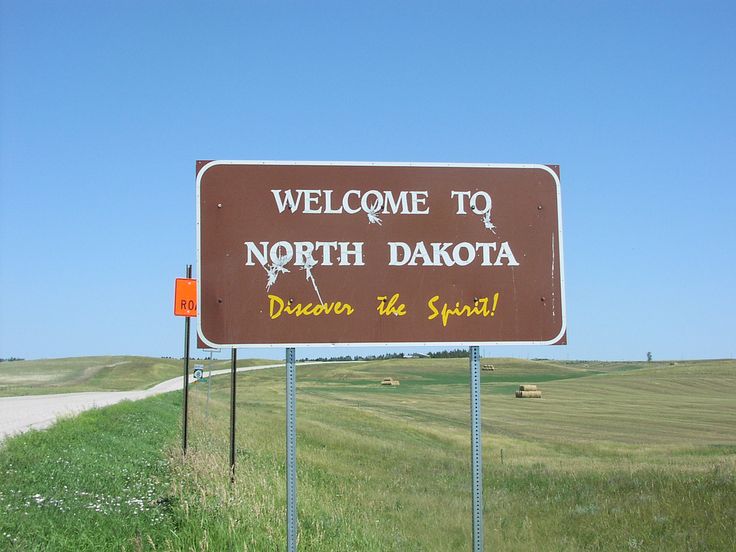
(96, 482)
(616, 456)
(106, 373)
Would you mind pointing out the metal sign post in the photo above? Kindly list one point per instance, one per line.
(233, 362)
(291, 519)
(476, 452)
(186, 375)
(207, 404)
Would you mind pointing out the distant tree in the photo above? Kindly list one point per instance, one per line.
(649, 357)
(455, 353)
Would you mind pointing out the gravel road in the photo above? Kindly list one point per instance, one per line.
(19, 414)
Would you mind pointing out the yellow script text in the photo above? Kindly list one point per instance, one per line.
(277, 307)
(479, 308)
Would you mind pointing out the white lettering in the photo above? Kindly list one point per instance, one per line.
(367, 204)
(312, 202)
(418, 199)
(420, 251)
(460, 201)
(507, 254)
(304, 253)
(311, 197)
(393, 248)
(261, 254)
(327, 248)
(287, 201)
(356, 251)
(486, 200)
(486, 248)
(470, 254)
(328, 204)
(394, 206)
(346, 204)
(440, 254)
(449, 254)
(275, 252)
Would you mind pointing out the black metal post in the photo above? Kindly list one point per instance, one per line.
(186, 375)
(233, 362)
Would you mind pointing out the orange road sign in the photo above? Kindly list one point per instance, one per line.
(185, 297)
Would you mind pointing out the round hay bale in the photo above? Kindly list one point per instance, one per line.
(528, 394)
(528, 388)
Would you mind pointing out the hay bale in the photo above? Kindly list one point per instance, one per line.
(390, 381)
(528, 394)
(528, 388)
(488, 368)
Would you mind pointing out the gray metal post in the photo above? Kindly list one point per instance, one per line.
(185, 408)
(209, 384)
(477, 456)
(291, 519)
(233, 363)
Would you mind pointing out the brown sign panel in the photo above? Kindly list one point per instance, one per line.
(203, 346)
(300, 254)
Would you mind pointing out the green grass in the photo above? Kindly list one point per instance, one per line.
(616, 456)
(99, 481)
(105, 373)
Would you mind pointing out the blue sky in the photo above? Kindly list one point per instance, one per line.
(105, 106)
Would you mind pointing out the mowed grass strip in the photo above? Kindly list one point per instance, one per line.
(387, 468)
(692, 403)
(99, 481)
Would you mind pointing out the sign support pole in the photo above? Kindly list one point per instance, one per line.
(291, 519)
(476, 453)
(207, 405)
(233, 362)
(186, 375)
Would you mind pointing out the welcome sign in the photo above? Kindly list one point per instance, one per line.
(318, 253)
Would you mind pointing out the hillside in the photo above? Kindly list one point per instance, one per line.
(101, 373)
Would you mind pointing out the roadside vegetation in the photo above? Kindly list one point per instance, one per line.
(99, 481)
(616, 456)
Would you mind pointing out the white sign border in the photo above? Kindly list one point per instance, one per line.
(545, 168)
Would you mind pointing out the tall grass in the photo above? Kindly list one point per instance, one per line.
(388, 469)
